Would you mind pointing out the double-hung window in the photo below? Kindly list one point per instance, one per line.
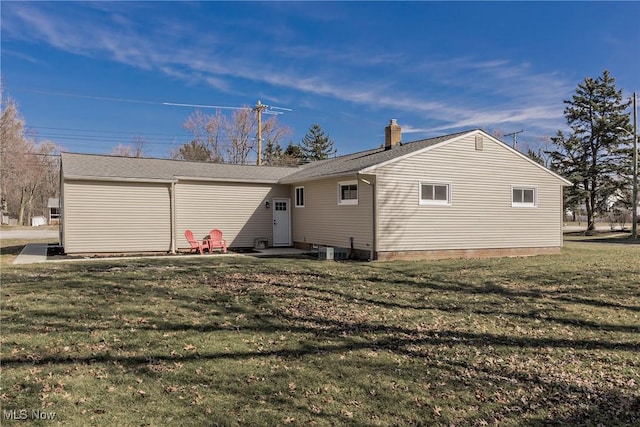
(348, 193)
(435, 193)
(299, 197)
(523, 197)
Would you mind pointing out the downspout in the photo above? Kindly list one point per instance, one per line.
(374, 220)
(374, 228)
(172, 207)
(61, 227)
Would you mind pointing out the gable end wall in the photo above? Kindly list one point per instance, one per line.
(480, 215)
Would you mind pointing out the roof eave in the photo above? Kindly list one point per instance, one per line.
(241, 180)
(116, 179)
(287, 180)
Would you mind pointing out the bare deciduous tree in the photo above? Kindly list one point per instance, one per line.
(29, 172)
(208, 131)
(136, 149)
(230, 140)
(194, 152)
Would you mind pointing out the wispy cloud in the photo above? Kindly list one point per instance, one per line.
(455, 97)
(21, 56)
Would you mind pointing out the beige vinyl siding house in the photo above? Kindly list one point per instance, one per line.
(325, 221)
(461, 195)
(121, 204)
(116, 217)
(239, 209)
(479, 215)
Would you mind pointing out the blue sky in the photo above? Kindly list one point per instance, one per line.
(91, 75)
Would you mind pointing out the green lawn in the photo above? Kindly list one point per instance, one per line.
(547, 340)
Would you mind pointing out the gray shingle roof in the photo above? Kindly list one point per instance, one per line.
(113, 167)
(93, 166)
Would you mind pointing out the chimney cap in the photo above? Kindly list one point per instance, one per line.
(393, 121)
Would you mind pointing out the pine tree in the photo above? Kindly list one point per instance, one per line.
(593, 155)
(536, 156)
(193, 151)
(316, 145)
(272, 154)
(292, 155)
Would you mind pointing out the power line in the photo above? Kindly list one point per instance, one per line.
(217, 107)
(100, 138)
(32, 154)
(101, 98)
(515, 137)
(259, 109)
(102, 131)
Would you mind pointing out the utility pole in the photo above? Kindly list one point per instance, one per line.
(258, 109)
(634, 215)
(515, 138)
(634, 166)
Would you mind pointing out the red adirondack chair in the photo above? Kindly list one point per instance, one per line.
(216, 241)
(195, 244)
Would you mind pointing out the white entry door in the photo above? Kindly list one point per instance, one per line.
(281, 222)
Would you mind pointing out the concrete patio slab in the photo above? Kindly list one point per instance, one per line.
(37, 252)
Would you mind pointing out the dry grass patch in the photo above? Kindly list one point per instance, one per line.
(548, 340)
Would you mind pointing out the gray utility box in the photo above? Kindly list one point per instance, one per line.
(260, 243)
(329, 253)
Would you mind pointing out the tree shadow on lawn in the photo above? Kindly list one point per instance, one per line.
(320, 336)
(588, 403)
(606, 237)
(559, 285)
(426, 304)
(129, 281)
(352, 336)
(11, 250)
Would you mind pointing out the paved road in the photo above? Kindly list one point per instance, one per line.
(29, 233)
(599, 227)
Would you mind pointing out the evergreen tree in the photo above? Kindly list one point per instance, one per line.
(272, 154)
(292, 155)
(593, 156)
(536, 156)
(316, 145)
(193, 151)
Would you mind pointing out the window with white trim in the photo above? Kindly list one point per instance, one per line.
(523, 197)
(435, 193)
(299, 197)
(348, 193)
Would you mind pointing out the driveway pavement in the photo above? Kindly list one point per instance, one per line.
(29, 233)
(599, 227)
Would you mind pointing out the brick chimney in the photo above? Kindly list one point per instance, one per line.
(392, 135)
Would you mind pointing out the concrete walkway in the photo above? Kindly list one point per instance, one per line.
(32, 253)
(37, 252)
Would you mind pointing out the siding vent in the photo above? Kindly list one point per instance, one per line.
(479, 143)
